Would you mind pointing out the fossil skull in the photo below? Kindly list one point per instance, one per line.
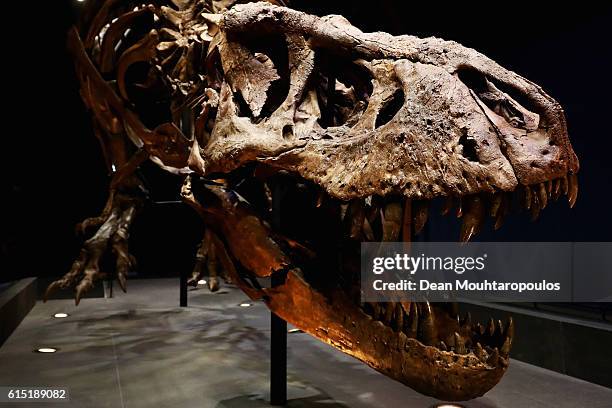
(368, 126)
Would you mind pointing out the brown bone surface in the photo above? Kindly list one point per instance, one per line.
(265, 110)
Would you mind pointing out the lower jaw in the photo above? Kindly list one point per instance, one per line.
(339, 323)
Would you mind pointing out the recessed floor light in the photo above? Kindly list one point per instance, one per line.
(245, 304)
(61, 315)
(447, 405)
(201, 282)
(295, 331)
(46, 350)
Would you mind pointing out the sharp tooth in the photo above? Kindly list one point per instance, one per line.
(320, 199)
(407, 221)
(392, 221)
(556, 192)
(509, 332)
(459, 344)
(536, 206)
(480, 353)
(549, 187)
(493, 359)
(447, 206)
(368, 200)
(572, 189)
(502, 212)
(411, 325)
(505, 348)
(499, 329)
(473, 218)
(420, 212)
(480, 329)
(542, 195)
(564, 185)
(355, 215)
(399, 317)
(459, 207)
(496, 201)
(528, 199)
(375, 310)
(442, 346)
(491, 327)
(427, 326)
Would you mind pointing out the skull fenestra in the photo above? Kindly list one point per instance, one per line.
(262, 109)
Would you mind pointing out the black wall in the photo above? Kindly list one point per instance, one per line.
(53, 173)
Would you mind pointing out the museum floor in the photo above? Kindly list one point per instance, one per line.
(141, 350)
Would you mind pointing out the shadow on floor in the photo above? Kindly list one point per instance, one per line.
(257, 401)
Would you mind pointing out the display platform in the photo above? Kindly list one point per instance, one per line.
(141, 350)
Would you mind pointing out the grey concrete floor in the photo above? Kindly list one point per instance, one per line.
(141, 350)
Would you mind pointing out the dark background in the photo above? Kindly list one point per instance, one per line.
(54, 176)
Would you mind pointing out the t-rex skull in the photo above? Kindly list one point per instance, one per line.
(365, 127)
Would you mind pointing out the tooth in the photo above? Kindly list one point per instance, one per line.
(564, 184)
(572, 189)
(447, 206)
(399, 317)
(505, 348)
(480, 329)
(542, 195)
(459, 207)
(491, 327)
(454, 309)
(502, 212)
(473, 218)
(407, 221)
(392, 221)
(493, 359)
(528, 199)
(496, 201)
(320, 199)
(375, 309)
(442, 346)
(420, 212)
(499, 329)
(459, 344)
(556, 192)
(411, 325)
(428, 328)
(549, 188)
(355, 215)
(480, 353)
(509, 333)
(535, 207)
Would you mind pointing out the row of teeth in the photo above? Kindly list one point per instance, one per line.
(416, 321)
(399, 219)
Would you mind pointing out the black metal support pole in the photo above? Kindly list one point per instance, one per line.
(278, 327)
(278, 360)
(183, 289)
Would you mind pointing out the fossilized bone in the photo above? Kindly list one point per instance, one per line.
(265, 110)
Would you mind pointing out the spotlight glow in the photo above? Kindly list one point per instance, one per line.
(61, 315)
(46, 350)
(245, 304)
(447, 405)
(201, 282)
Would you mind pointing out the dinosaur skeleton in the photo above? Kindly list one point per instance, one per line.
(263, 109)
